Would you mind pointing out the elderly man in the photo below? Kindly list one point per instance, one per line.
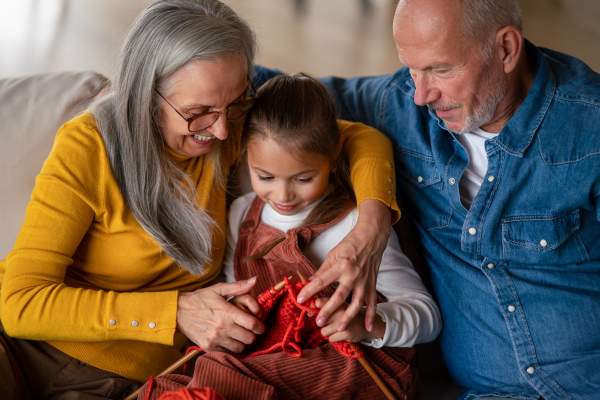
(498, 164)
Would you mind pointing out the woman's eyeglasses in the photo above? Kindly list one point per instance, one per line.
(232, 112)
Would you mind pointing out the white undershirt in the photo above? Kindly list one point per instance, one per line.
(470, 182)
(410, 314)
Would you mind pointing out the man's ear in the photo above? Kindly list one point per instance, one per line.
(509, 41)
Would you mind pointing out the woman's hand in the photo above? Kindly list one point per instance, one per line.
(354, 264)
(209, 320)
(355, 332)
(247, 303)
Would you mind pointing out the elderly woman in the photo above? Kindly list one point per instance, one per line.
(126, 226)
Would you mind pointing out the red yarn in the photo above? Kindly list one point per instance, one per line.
(191, 348)
(192, 394)
(149, 390)
(289, 328)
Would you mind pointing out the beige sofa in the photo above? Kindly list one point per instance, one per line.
(32, 109)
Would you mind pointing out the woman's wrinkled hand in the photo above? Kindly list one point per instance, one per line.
(354, 264)
(209, 320)
(247, 303)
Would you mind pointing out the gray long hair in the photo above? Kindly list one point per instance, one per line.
(481, 19)
(165, 37)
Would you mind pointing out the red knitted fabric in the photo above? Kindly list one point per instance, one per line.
(289, 329)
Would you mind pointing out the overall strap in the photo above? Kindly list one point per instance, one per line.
(283, 260)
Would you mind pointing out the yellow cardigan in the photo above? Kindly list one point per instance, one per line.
(87, 278)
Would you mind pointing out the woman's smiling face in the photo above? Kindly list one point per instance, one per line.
(198, 87)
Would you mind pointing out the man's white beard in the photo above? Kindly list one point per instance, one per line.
(485, 112)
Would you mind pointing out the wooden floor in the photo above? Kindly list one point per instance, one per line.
(321, 37)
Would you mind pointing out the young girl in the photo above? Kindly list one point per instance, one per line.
(301, 207)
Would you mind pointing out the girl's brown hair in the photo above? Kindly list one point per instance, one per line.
(297, 112)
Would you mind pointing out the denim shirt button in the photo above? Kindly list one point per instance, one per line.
(472, 231)
(491, 178)
(491, 266)
(543, 243)
(511, 308)
(531, 370)
(420, 179)
(452, 181)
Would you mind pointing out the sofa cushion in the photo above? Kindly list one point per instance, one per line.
(32, 108)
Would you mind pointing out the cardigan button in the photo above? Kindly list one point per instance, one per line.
(112, 322)
(247, 226)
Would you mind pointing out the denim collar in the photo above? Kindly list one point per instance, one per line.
(520, 130)
(518, 133)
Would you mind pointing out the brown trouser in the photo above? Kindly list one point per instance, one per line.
(32, 370)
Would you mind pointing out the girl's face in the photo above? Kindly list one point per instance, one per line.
(287, 182)
(198, 87)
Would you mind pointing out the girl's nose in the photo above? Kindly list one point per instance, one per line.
(284, 194)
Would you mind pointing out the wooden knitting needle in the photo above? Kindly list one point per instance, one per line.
(193, 353)
(365, 363)
(279, 286)
(388, 393)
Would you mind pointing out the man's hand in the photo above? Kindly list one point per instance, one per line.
(354, 264)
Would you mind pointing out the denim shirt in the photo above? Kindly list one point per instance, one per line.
(517, 276)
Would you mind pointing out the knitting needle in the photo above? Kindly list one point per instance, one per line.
(388, 393)
(365, 363)
(279, 286)
(193, 353)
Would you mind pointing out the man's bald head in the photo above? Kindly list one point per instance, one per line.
(474, 21)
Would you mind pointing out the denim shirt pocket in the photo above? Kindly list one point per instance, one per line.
(550, 240)
(425, 189)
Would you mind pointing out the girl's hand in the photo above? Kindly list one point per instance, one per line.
(209, 320)
(355, 332)
(354, 264)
